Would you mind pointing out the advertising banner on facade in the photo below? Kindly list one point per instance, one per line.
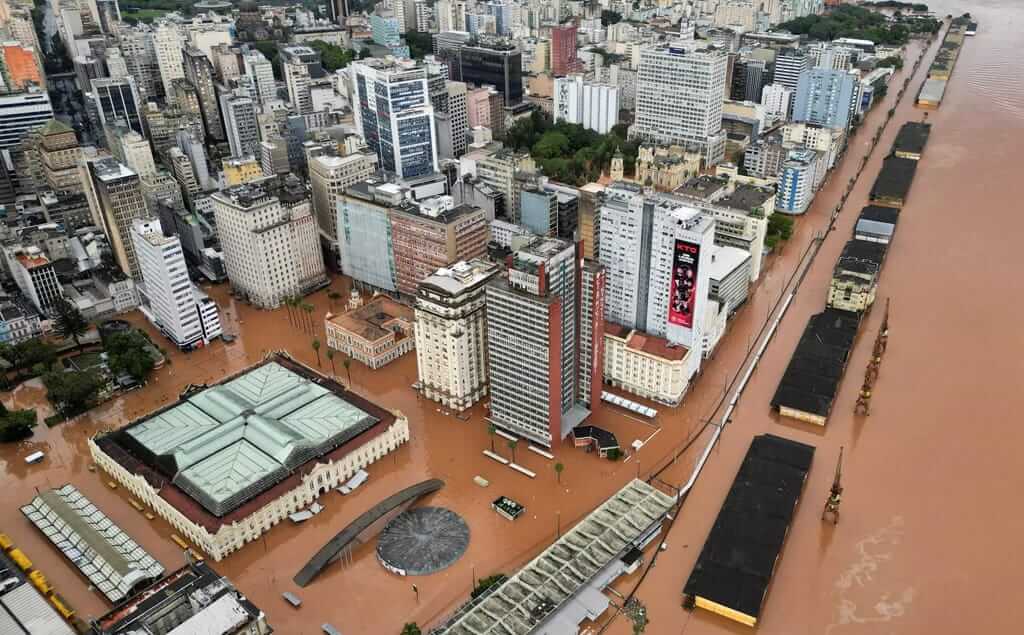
(683, 288)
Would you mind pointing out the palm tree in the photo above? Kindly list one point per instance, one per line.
(330, 358)
(512, 443)
(347, 363)
(308, 308)
(316, 349)
(559, 468)
(333, 296)
(491, 431)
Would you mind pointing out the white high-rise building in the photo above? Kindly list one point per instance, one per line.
(169, 40)
(240, 123)
(301, 64)
(450, 15)
(169, 298)
(270, 242)
(451, 333)
(134, 150)
(594, 106)
(21, 113)
(329, 177)
(405, 140)
(259, 69)
(657, 255)
(776, 100)
(679, 99)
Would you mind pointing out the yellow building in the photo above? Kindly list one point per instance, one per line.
(239, 170)
(665, 167)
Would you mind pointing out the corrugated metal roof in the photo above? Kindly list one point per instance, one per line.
(32, 614)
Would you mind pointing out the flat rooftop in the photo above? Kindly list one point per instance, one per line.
(646, 343)
(702, 187)
(225, 451)
(534, 593)
(23, 610)
(460, 277)
(895, 178)
(912, 137)
(373, 320)
(747, 197)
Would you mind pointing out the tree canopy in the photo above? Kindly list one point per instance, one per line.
(128, 354)
(16, 425)
(610, 17)
(332, 56)
(29, 354)
(74, 391)
(69, 322)
(851, 21)
(420, 44)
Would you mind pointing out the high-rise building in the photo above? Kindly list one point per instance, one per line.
(451, 15)
(776, 100)
(498, 172)
(56, 153)
(240, 124)
(183, 171)
(132, 149)
(168, 42)
(827, 97)
(35, 276)
(301, 65)
(493, 62)
(20, 114)
(19, 67)
(138, 47)
(239, 170)
(329, 177)
(395, 117)
(199, 73)
(594, 106)
(451, 333)
(364, 233)
(118, 99)
(748, 79)
(259, 69)
(564, 60)
(268, 234)
(534, 360)
(169, 299)
(116, 201)
(790, 64)
(434, 234)
(453, 121)
(679, 99)
(657, 254)
(796, 182)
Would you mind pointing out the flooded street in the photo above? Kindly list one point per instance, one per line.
(929, 529)
(927, 539)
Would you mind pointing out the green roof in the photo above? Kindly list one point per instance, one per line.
(232, 441)
(53, 127)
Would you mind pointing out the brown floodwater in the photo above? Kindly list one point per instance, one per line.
(930, 531)
(927, 542)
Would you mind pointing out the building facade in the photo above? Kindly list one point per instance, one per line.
(329, 176)
(594, 106)
(645, 365)
(826, 97)
(376, 333)
(115, 199)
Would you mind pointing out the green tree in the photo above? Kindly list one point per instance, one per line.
(347, 363)
(332, 57)
(559, 468)
(30, 355)
(72, 392)
(16, 425)
(420, 44)
(316, 349)
(69, 322)
(552, 145)
(129, 353)
(330, 358)
(491, 431)
(333, 296)
(512, 443)
(308, 309)
(411, 628)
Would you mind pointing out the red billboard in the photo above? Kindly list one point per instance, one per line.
(682, 293)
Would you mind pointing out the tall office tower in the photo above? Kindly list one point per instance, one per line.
(20, 114)
(748, 77)
(364, 233)
(132, 149)
(116, 201)
(451, 333)
(395, 117)
(424, 16)
(329, 177)
(453, 122)
(826, 97)
(55, 154)
(594, 106)
(301, 65)
(259, 69)
(451, 15)
(195, 150)
(109, 14)
(496, 62)
(564, 60)
(498, 172)
(502, 12)
(20, 67)
(434, 234)
(168, 43)
(138, 47)
(789, 66)
(533, 356)
(187, 99)
(199, 73)
(226, 63)
(35, 276)
(165, 122)
(679, 98)
(796, 182)
(268, 234)
(117, 68)
(828, 56)
(240, 124)
(776, 100)
(657, 254)
(117, 99)
(183, 171)
(591, 341)
(169, 299)
(337, 11)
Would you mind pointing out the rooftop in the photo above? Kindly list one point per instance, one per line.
(461, 276)
(702, 187)
(646, 343)
(374, 320)
(23, 610)
(725, 260)
(222, 452)
(110, 169)
(912, 137)
(747, 197)
(894, 179)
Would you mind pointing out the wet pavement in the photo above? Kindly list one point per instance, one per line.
(924, 545)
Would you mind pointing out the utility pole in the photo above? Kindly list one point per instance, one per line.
(835, 495)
